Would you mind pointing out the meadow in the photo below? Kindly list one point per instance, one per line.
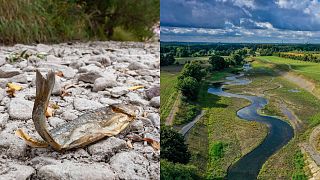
(308, 69)
(183, 60)
(169, 94)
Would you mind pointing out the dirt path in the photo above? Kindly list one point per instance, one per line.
(185, 129)
(174, 110)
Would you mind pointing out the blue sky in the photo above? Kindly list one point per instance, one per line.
(257, 21)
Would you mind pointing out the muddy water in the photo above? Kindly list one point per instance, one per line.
(279, 133)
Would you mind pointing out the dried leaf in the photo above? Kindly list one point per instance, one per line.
(49, 112)
(135, 88)
(153, 143)
(14, 86)
(54, 106)
(11, 92)
(129, 144)
(59, 73)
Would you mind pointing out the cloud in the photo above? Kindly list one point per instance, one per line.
(274, 19)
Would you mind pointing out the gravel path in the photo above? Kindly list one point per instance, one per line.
(95, 74)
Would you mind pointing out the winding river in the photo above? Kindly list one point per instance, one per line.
(279, 132)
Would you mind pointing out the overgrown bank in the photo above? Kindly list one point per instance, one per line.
(52, 21)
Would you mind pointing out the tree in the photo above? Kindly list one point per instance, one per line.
(166, 59)
(193, 69)
(170, 170)
(237, 58)
(173, 147)
(188, 86)
(218, 62)
(137, 16)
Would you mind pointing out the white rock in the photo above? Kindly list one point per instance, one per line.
(130, 165)
(57, 86)
(136, 99)
(108, 101)
(101, 83)
(118, 91)
(103, 150)
(8, 71)
(69, 115)
(20, 109)
(80, 171)
(155, 118)
(155, 102)
(137, 66)
(55, 121)
(104, 60)
(82, 104)
(13, 171)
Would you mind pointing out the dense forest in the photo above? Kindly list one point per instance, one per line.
(59, 20)
(305, 52)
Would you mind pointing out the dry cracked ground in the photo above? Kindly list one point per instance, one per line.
(95, 74)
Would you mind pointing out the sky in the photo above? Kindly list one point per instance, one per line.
(245, 21)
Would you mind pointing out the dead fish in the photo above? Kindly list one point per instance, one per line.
(86, 129)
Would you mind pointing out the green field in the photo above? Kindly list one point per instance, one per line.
(308, 69)
(183, 60)
(168, 80)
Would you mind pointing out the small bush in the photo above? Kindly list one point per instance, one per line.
(169, 170)
(187, 112)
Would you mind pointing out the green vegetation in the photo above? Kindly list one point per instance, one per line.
(58, 21)
(168, 80)
(187, 112)
(299, 166)
(189, 79)
(173, 147)
(176, 171)
(184, 60)
(308, 69)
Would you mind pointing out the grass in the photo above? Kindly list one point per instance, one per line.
(187, 112)
(220, 137)
(305, 106)
(169, 94)
(183, 60)
(308, 69)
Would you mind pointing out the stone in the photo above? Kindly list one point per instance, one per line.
(105, 149)
(55, 121)
(4, 117)
(57, 86)
(69, 115)
(77, 64)
(80, 171)
(137, 66)
(89, 77)
(155, 102)
(20, 109)
(40, 161)
(14, 171)
(136, 99)
(2, 60)
(68, 72)
(12, 145)
(82, 104)
(104, 60)
(153, 92)
(101, 83)
(155, 118)
(108, 101)
(118, 91)
(21, 78)
(130, 165)
(43, 48)
(7, 71)
(89, 68)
